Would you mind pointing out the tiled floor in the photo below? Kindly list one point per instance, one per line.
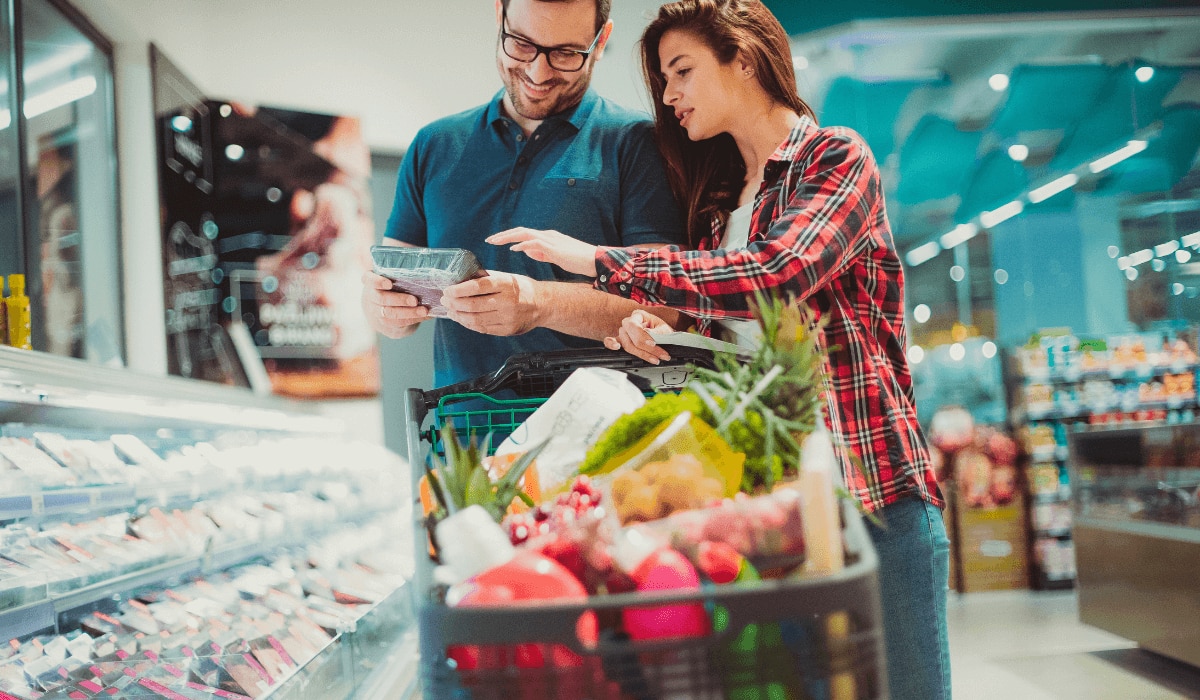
(1022, 645)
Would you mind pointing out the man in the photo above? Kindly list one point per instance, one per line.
(545, 153)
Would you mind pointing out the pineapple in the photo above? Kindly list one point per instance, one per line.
(766, 406)
(460, 479)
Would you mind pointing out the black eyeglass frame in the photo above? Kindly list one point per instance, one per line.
(546, 50)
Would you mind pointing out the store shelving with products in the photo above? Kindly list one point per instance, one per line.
(1061, 384)
(194, 534)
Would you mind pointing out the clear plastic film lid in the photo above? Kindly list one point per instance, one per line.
(425, 272)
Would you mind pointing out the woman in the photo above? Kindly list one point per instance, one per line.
(775, 203)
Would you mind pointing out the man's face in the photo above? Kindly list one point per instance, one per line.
(536, 90)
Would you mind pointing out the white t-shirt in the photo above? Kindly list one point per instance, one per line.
(746, 334)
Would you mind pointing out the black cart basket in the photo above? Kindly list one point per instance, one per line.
(795, 638)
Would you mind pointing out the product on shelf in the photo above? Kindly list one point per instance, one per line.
(234, 634)
(1068, 383)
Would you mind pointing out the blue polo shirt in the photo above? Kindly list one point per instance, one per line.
(592, 172)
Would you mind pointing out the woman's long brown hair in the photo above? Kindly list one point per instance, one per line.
(707, 176)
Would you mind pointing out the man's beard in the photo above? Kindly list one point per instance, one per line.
(567, 96)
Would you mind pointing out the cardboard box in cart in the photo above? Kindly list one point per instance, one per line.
(793, 637)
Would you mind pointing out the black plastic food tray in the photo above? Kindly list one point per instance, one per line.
(820, 638)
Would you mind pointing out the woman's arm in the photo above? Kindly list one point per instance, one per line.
(826, 222)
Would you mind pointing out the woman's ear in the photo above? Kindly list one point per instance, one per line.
(744, 65)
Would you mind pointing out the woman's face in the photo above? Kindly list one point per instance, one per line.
(704, 93)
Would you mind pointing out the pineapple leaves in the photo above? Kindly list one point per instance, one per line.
(460, 479)
(764, 406)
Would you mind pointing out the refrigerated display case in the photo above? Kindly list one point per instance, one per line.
(173, 527)
(1137, 534)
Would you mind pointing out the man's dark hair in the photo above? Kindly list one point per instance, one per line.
(603, 8)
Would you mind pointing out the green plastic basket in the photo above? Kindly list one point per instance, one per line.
(476, 415)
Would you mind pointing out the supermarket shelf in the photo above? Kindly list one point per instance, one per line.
(43, 614)
(1054, 583)
(1055, 497)
(1058, 453)
(1038, 413)
(375, 660)
(1051, 533)
(113, 497)
(37, 387)
(1137, 372)
(65, 501)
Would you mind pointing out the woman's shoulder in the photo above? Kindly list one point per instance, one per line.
(831, 144)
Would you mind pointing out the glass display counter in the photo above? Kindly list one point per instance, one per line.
(1137, 534)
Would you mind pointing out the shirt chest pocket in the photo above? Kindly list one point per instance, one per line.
(581, 207)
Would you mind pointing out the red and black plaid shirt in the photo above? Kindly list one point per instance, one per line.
(819, 231)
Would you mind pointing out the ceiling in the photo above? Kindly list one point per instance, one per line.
(920, 92)
(918, 89)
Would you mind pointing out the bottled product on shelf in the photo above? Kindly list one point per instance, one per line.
(17, 313)
(1062, 383)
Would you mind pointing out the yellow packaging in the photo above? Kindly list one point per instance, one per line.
(17, 308)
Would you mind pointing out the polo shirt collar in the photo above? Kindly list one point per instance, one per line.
(576, 116)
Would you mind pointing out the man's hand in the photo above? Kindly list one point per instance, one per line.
(550, 246)
(498, 304)
(393, 314)
(636, 337)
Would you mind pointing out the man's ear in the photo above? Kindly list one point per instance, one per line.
(499, 12)
(604, 34)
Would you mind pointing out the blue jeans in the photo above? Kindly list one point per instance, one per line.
(914, 571)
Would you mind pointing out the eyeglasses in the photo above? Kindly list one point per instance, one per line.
(525, 51)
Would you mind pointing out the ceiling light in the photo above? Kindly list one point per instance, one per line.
(1142, 256)
(181, 124)
(1158, 265)
(799, 62)
(1001, 276)
(1113, 251)
(1123, 263)
(1053, 187)
(915, 354)
(5, 118)
(1131, 274)
(923, 253)
(1183, 256)
(998, 82)
(1106, 162)
(991, 219)
(1177, 289)
(957, 352)
(957, 273)
(989, 349)
(1144, 74)
(1018, 152)
(961, 234)
(234, 152)
(1191, 240)
(1162, 250)
(60, 96)
(226, 110)
(921, 313)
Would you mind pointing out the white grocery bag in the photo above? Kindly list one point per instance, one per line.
(573, 418)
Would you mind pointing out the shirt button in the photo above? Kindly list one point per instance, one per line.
(571, 182)
(603, 278)
(624, 288)
(520, 137)
(512, 185)
(522, 160)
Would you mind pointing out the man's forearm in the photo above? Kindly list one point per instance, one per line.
(578, 309)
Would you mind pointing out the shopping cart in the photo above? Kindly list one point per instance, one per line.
(815, 638)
